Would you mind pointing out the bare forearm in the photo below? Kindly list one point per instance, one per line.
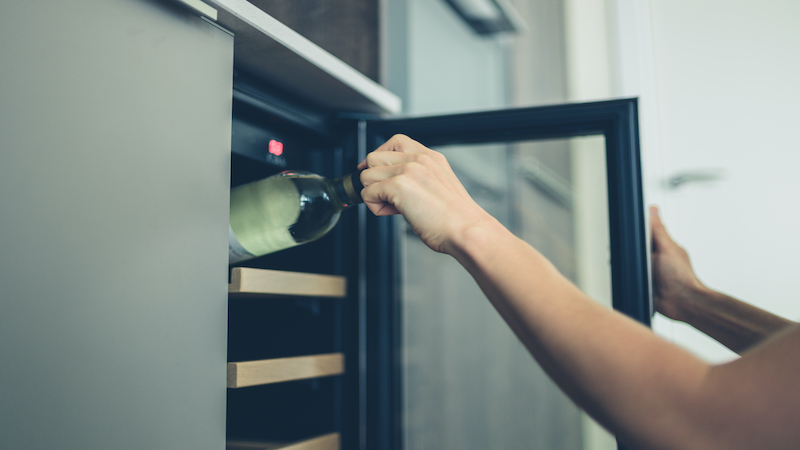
(735, 324)
(650, 393)
(606, 362)
(679, 295)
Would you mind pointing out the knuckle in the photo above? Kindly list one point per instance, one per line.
(399, 141)
(372, 159)
(414, 169)
(394, 190)
(365, 179)
(397, 182)
(424, 159)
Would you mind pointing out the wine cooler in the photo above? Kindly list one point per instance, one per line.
(314, 330)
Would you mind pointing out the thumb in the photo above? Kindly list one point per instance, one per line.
(660, 237)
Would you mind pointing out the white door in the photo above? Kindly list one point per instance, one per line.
(719, 90)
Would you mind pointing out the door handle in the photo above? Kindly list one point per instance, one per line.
(694, 176)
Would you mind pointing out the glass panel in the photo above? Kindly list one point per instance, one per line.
(469, 383)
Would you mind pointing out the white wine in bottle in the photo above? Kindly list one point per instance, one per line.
(287, 209)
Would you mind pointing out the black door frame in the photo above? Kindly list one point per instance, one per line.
(615, 120)
(369, 412)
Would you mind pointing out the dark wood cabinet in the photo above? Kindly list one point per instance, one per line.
(348, 29)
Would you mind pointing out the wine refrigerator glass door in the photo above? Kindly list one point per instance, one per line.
(564, 178)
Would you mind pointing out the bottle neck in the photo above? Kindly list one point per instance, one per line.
(348, 189)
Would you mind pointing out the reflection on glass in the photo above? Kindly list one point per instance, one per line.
(469, 383)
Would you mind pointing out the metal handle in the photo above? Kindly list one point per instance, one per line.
(694, 176)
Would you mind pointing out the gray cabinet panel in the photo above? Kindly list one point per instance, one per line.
(114, 166)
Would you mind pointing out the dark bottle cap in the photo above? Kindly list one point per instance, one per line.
(351, 186)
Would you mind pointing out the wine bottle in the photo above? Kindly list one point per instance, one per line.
(285, 210)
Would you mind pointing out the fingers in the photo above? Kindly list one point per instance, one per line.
(383, 185)
(393, 162)
(662, 242)
(381, 172)
(655, 218)
(421, 164)
(380, 159)
(381, 208)
(398, 144)
(401, 143)
(379, 201)
(660, 236)
(404, 177)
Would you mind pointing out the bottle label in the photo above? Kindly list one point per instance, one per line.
(236, 253)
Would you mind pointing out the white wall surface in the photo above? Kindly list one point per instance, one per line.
(718, 83)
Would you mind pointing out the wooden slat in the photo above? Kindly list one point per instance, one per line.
(266, 371)
(248, 281)
(325, 442)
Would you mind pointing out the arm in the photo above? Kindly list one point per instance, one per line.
(648, 392)
(679, 295)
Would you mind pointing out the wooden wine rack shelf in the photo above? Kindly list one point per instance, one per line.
(266, 371)
(246, 281)
(325, 442)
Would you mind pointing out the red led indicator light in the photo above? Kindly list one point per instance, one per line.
(275, 147)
